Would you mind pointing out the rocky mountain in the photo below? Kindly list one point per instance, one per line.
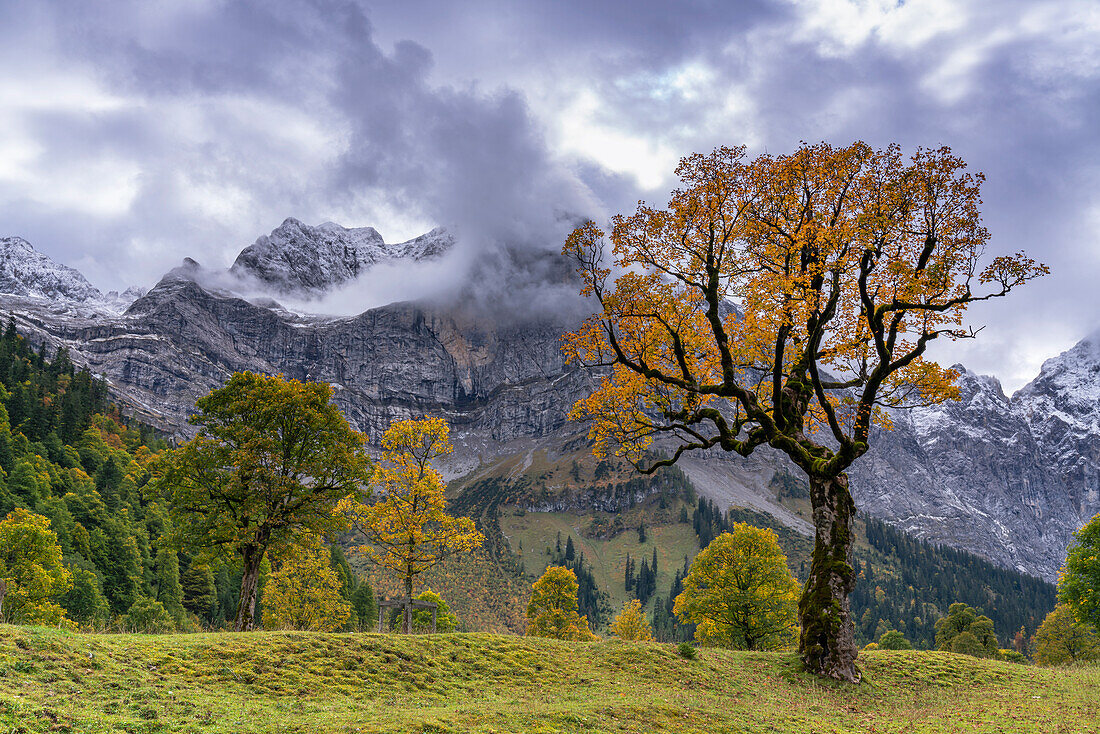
(974, 474)
(1008, 478)
(1062, 408)
(299, 258)
(26, 272)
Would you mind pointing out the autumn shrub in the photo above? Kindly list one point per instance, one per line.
(1062, 639)
(31, 570)
(552, 611)
(894, 640)
(631, 624)
(686, 651)
(964, 631)
(303, 593)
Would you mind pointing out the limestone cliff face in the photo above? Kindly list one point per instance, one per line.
(179, 341)
(972, 474)
(1007, 478)
(297, 258)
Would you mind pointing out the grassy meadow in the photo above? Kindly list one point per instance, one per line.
(305, 682)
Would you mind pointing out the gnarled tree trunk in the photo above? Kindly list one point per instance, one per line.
(406, 626)
(827, 644)
(252, 555)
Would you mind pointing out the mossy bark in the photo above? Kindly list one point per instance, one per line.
(827, 643)
(252, 555)
(406, 626)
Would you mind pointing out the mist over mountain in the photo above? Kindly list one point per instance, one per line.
(299, 259)
(471, 332)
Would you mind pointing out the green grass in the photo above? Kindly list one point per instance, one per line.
(303, 682)
(537, 531)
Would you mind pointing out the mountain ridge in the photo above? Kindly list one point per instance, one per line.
(1007, 478)
(297, 258)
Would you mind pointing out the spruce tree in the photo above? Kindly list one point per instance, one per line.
(168, 591)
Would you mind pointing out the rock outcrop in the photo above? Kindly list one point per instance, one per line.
(297, 258)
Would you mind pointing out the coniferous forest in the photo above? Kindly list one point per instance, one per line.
(907, 584)
(68, 454)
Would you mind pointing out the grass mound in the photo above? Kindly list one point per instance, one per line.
(305, 682)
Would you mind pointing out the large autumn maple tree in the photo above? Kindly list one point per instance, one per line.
(785, 301)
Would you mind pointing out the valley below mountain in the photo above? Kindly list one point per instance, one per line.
(1007, 478)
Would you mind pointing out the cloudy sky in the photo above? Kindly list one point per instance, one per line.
(132, 134)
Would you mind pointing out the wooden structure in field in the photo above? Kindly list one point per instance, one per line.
(405, 604)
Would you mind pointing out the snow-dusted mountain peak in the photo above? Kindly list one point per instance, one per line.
(24, 271)
(1073, 376)
(300, 258)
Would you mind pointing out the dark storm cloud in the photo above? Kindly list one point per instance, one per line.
(1013, 87)
(290, 108)
(135, 133)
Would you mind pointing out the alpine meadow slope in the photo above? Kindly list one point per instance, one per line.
(314, 682)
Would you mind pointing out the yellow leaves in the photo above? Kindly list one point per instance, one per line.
(740, 593)
(552, 611)
(412, 445)
(1063, 640)
(405, 520)
(776, 272)
(303, 592)
(631, 624)
(31, 569)
(1010, 270)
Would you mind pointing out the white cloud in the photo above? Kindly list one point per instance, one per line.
(581, 128)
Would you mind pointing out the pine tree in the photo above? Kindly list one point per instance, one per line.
(199, 592)
(364, 606)
(84, 602)
(168, 591)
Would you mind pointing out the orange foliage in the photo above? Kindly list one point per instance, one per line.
(734, 304)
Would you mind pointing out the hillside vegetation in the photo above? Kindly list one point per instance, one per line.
(527, 509)
(311, 682)
(68, 454)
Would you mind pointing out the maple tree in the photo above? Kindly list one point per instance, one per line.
(31, 571)
(303, 591)
(272, 459)
(965, 631)
(1062, 640)
(785, 301)
(740, 593)
(1079, 580)
(445, 620)
(552, 611)
(405, 518)
(631, 624)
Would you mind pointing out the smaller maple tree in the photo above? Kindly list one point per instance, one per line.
(303, 592)
(552, 611)
(631, 624)
(405, 518)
